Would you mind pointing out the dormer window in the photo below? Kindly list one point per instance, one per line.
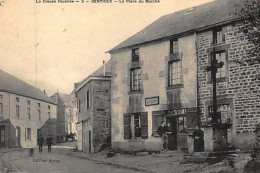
(135, 54)
(174, 46)
(218, 36)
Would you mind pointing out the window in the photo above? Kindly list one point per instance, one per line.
(1, 109)
(79, 105)
(135, 55)
(39, 105)
(17, 111)
(136, 126)
(135, 79)
(182, 125)
(49, 114)
(2, 134)
(175, 72)
(1, 97)
(28, 102)
(49, 107)
(221, 57)
(27, 133)
(88, 99)
(218, 36)
(174, 46)
(39, 114)
(17, 99)
(224, 110)
(29, 113)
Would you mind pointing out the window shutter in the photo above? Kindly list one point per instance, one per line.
(144, 125)
(127, 130)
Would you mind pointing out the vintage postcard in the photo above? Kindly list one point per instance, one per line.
(122, 86)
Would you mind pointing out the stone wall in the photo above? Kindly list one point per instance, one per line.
(239, 89)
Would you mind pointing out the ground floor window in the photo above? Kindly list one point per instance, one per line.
(136, 126)
(28, 133)
(224, 110)
(2, 133)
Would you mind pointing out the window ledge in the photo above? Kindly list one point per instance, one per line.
(135, 92)
(219, 80)
(218, 47)
(175, 86)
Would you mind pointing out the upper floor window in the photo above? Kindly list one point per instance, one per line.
(175, 72)
(1, 97)
(1, 109)
(221, 57)
(49, 107)
(79, 107)
(17, 99)
(39, 105)
(174, 46)
(28, 102)
(218, 36)
(135, 54)
(17, 111)
(39, 114)
(29, 113)
(135, 79)
(88, 99)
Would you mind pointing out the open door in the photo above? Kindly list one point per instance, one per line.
(172, 137)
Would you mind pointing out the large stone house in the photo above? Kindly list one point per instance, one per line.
(25, 112)
(94, 110)
(159, 74)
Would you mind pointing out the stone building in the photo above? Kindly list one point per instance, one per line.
(25, 111)
(94, 110)
(66, 113)
(160, 74)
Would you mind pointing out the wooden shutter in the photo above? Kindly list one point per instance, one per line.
(144, 125)
(127, 128)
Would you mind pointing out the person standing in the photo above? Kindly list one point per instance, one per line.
(40, 141)
(49, 142)
(162, 131)
(198, 136)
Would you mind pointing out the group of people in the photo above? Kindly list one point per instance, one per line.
(198, 135)
(40, 142)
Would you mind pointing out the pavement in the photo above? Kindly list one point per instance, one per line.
(64, 159)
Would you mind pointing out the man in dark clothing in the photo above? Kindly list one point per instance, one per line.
(49, 143)
(162, 131)
(198, 136)
(40, 141)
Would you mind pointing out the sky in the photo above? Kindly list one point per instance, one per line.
(54, 45)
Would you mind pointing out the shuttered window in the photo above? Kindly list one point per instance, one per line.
(139, 127)
(127, 128)
(144, 125)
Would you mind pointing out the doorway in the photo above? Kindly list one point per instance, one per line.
(172, 137)
(18, 135)
(2, 136)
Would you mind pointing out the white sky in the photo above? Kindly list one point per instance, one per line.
(71, 39)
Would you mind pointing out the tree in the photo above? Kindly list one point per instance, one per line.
(249, 12)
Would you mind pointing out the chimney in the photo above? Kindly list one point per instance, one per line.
(104, 69)
(44, 91)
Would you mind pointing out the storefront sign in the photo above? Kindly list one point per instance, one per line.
(152, 101)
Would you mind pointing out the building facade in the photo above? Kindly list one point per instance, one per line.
(94, 110)
(159, 74)
(66, 114)
(25, 112)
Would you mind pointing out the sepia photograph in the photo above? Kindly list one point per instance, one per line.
(129, 86)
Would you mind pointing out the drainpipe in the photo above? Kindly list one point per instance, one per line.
(9, 120)
(197, 80)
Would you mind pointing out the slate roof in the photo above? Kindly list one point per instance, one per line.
(98, 73)
(188, 20)
(62, 99)
(11, 84)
